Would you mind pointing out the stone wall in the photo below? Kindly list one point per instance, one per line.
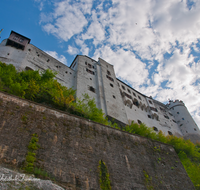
(71, 148)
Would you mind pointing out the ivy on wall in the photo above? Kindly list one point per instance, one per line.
(104, 176)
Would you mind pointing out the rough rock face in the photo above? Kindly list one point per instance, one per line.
(12, 180)
(71, 148)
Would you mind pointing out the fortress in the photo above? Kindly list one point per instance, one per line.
(97, 78)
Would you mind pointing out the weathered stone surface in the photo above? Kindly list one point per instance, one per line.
(12, 180)
(71, 148)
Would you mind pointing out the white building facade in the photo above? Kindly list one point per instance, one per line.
(97, 78)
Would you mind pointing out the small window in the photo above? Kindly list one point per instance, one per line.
(177, 112)
(182, 118)
(150, 101)
(29, 49)
(91, 89)
(139, 121)
(48, 60)
(111, 85)
(70, 73)
(90, 78)
(186, 131)
(108, 72)
(90, 66)
(28, 68)
(174, 121)
(129, 91)
(8, 54)
(166, 116)
(149, 116)
(66, 72)
(114, 97)
(170, 114)
(85, 63)
(170, 133)
(93, 67)
(110, 78)
(21, 40)
(139, 97)
(123, 87)
(134, 94)
(195, 129)
(181, 125)
(155, 129)
(89, 71)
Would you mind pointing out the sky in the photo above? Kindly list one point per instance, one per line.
(154, 45)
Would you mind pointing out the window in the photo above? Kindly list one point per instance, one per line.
(48, 60)
(135, 102)
(139, 97)
(90, 66)
(85, 63)
(134, 94)
(21, 40)
(114, 97)
(111, 85)
(177, 112)
(170, 114)
(195, 129)
(166, 116)
(90, 78)
(170, 133)
(91, 89)
(162, 109)
(174, 121)
(28, 68)
(149, 116)
(108, 72)
(155, 129)
(110, 78)
(66, 72)
(139, 121)
(89, 71)
(123, 87)
(129, 91)
(182, 118)
(127, 95)
(150, 101)
(181, 125)
(153, 109)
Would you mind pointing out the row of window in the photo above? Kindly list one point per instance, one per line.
(89, 65)
(129, 91)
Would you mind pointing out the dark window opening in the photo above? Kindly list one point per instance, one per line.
(28, 68)
(153, 109)
(129, 91)
(58, 66)
(14, 44)
(134, 94)
(174, 121)
(66, 72)
(139, 121)
(85, 63)
(89, 71)
(162, 109)
(181, 125)
(90, 78)
(48, 60)
(90, 66)
(8, 54)
(108, 72)
(135, 102)
(123, 87)
(150, 101)
(91, 89)
(195, 129)
(139, 97)
(166, 116)
(149, 116)
(170, 133)
(110, 78)
(170, 114)
(114, 97)
(186, 131)
(70, 73)
(29, 49)
(127, 95)
(111, 85)
(177, 112)
(182, 118)
(155, 129)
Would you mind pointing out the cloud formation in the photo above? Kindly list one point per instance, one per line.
(151, 43)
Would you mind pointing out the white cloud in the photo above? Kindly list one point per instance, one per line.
(130, 32)
(72, 50)
(55, 55)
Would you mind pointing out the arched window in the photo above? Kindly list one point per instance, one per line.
(139, 122)
(170, 133)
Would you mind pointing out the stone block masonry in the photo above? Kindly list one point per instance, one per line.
(71, 148)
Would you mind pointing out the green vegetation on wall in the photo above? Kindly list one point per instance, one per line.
(43, 88)
(104, 176)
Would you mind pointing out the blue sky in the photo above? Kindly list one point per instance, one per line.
(154, 45)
